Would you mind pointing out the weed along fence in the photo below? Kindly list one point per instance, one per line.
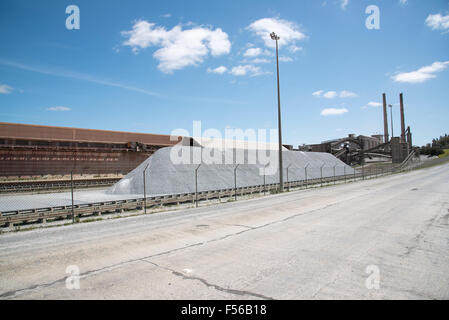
(157, 182)
(46, 185)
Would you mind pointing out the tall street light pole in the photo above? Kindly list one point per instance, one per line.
(391, 109)
(281, 180)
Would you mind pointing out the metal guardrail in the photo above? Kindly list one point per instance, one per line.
(429, 163)
(9, 218)
(41, 215)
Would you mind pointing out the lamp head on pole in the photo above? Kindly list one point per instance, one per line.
(274, 36)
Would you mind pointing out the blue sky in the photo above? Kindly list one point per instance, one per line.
(155, 66)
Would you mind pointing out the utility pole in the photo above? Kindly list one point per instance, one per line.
(281, 180)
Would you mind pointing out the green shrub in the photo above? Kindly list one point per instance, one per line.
(431, 151)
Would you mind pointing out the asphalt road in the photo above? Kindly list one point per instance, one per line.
(386, 238)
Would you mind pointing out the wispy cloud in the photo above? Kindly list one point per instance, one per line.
(252, 52)
(334, 94)
(330, 95)
(260, 60)
(372, 104)
(344, 4)
(59, 108)
(285, 59)
(422, 74)
(218, 70)
(240, 70)
(347, 94)
(402, 2)
(76, 75)
(89, 78)
(248, 69)
(5, 89)
(333, 111)
(294, 49)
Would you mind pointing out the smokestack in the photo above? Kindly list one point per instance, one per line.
(386, 137)
(401, 99)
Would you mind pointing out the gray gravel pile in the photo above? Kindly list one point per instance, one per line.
(164, 177)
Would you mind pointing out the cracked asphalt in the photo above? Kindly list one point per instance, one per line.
(310, 244)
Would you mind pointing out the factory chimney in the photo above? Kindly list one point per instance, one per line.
(401, 99)
(386, 137)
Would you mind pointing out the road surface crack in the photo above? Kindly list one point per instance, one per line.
(12, 294)
(419, 238)
(207, 284)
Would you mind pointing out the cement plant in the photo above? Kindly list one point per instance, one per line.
(106, 198)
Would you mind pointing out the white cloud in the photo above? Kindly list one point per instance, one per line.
(285, 59)
(421, 75)
(260, 60)
(294, 48)
(347, 94)
(179, 48)
(5, 89)
(243, 70)
(252, 52)
(59, 108)
(438, 22)
(344, 3)
(403, 2)
(333, 111)
(218, 70)
(240, 70)
(330, 95)
(372, 104)
(288, 31)
(334, 94)
(413, 77)
(167, 15)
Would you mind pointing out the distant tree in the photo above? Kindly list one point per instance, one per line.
(436, 147)
(441, 142)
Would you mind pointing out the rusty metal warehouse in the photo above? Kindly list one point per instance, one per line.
(33, 150)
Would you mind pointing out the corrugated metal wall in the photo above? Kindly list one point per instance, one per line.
(30, 150)
(39, 162)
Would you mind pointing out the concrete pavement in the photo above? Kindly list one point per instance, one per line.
(339, 242)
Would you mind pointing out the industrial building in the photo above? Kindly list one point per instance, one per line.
(358, 149)
(33, 150)
(352, 141)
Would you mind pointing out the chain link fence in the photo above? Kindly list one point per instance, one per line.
(74, 201)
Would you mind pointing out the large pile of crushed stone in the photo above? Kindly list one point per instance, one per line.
(164, 177)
